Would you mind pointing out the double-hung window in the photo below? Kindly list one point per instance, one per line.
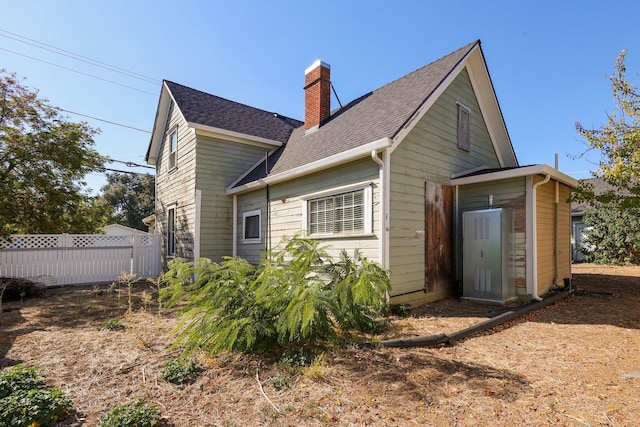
(172, 139)
(171, 232)
(341, 212)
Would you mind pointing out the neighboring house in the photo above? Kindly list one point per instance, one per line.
(121, 230)
(578, 209)
(390, 174)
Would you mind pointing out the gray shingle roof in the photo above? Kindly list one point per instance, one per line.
(210, 110)
(375, 115)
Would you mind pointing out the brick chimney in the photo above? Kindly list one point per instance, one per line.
(317, 94)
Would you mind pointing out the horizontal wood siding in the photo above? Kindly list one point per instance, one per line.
(176, 187)
(429, 153)
(508, 194)
(256, 200)
(546, 229)
(286, 204)
(219, 164)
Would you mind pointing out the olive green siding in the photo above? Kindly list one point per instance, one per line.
(219, 164)
(176, 186)
(286, 209)
(208, 165)
(430, 153)
(507, 194)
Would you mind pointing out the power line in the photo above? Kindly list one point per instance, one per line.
(131, 164)
(131, 172)
(79, 72)
(76, 56)
(106, 121)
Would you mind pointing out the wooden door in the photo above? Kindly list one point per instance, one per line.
(439, 260)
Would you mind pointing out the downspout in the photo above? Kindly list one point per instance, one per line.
(235, 226)
(381, 248)
(534, 288)
(556, 267)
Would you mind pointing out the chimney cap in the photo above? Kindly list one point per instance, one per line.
(315, 65)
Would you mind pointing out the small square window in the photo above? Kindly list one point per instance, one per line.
(251, 226)
(464, 127)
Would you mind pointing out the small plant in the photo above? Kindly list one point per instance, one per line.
(136, 414)
(128, 279)
(111, 325)
(280, 381)
(25, 402)
(145, 298)
(295, 358)
(316, 371)
(402, 310)
(181, 371)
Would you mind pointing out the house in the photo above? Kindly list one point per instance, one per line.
(579, 228)
(122, 230)
(391, 174)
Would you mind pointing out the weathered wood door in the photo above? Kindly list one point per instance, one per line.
(439, 260)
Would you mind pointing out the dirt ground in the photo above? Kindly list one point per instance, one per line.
(573, 363)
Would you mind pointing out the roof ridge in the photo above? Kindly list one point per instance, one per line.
(468, 46)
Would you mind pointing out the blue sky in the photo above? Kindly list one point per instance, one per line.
(548, 59)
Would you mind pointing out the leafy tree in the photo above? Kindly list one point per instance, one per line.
(43, 159)
(296, 296)
(613, 236)
(619, 144)
(131, 196)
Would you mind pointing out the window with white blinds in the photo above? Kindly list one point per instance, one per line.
(343, 213)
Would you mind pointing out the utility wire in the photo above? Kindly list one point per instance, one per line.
(106, 121)
(80, 72)
(130, 164)
(130, 172)
(76, 56)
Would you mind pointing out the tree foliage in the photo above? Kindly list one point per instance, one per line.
(614, 236)
(618, 141)
(43, 159)
(131, 196)
(297, 295)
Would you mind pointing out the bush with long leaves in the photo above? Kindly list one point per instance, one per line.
(297, 295)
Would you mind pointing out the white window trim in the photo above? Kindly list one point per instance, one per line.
(258, 213)
(368, 210)
(175, 232)
(174, 153)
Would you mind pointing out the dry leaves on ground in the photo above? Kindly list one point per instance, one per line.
(576, 362)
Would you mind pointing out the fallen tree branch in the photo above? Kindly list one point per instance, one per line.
(263, 393)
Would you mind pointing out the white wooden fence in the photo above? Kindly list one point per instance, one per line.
(65, 259)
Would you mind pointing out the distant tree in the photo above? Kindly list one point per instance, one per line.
(43, 160)
(619, 144)
(131, 196)
(613, 236)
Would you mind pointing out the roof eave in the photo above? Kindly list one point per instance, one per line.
(158, 125)
(516, 173)
(229, 135)
(319, 165)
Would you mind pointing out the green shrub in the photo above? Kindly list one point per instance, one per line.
(19, 378)
(296, 295)
(279, 381)
(136, 414)
(25, 401)
(181, 371)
